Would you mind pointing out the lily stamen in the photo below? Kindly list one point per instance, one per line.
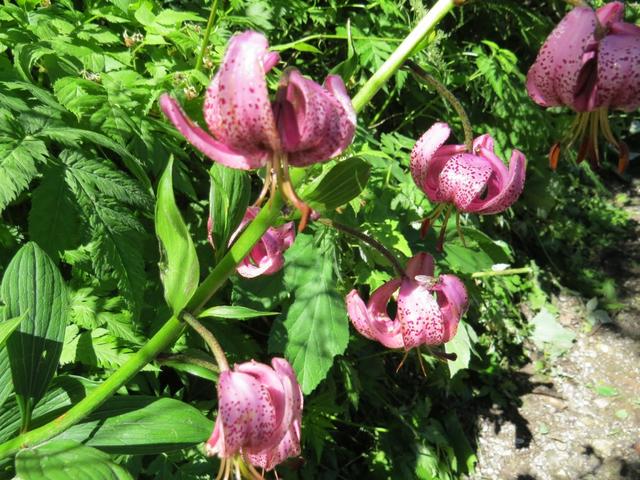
(284, 181)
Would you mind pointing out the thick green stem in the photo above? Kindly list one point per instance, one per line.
(163, 339)
(207, 32)
(404, 50)
(168, 334)
(499, 273)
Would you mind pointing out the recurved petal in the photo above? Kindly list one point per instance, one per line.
(422, 154)
(212, 148)
(610, 13)
(215, 445)
(385, 330)
(359, 315)
(463, 179)
(314, 125)
(553, 78)
(619, 72)
(265, 258)
(419, 315)
(237, 107)
(246, 410)
(502, 191)
(453, 301)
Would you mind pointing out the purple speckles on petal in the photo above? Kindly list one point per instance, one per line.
(259, 413)
(428, 312)
(589, 61)
(475, 182)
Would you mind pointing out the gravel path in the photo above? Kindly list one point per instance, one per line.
(580, 418)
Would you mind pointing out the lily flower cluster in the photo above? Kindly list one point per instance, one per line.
(259, 418)
(306, 123)
(591, 64)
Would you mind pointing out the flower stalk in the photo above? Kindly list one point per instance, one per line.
(367, 239)
(207, 33)
(430, 80)
(210, 339)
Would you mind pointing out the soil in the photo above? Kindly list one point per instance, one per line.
(579, 417)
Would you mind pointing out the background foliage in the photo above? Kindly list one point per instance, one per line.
(82, 149)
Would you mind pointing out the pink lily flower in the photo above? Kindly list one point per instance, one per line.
(267, 256)
(475, 182)
(259, 416)
(421, 318)
(590, 63)
(305, 124)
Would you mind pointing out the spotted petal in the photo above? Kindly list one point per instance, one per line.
(559, 73)
(453, 300)
(237, 107)
(314, 123)
(463, 179)
(212, 148)
(619, 71)
(423, 172)
(247, 413)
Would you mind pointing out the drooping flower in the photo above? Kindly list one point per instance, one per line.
(475, 182)
(259, 415)
(429, 308)
(590, 63)
(267, 256)
(305, 124)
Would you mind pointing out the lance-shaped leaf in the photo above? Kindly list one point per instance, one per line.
(32, 286)
(179, 268)
(228, 201)
(142, 425)
(67, 459)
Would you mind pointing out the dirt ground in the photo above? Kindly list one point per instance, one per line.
(580, 417)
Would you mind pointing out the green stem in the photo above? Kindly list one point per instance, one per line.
(168, 334)
(404, 50)
(207, 32)
(163, 339)
(210, 340)
(499, 273)
(429, 79)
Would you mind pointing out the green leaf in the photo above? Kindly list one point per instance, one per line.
(233, 312)
(63, 459)
(316, 325)
(549, 335)
(179, 269)
(142, 425)
(8, 326)
(461, 346)
(20, 153)
(228, 201)
(342, 183)
(64, 391)
(54, 216)
(33, 286)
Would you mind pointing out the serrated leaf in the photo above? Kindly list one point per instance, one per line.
(316, 323)
(20, 153)
(233, 312)
(61, 459)
(142, 425)
(54, 216)
(228, 201)
(179, 269)
(33, 286)
(342, 183)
